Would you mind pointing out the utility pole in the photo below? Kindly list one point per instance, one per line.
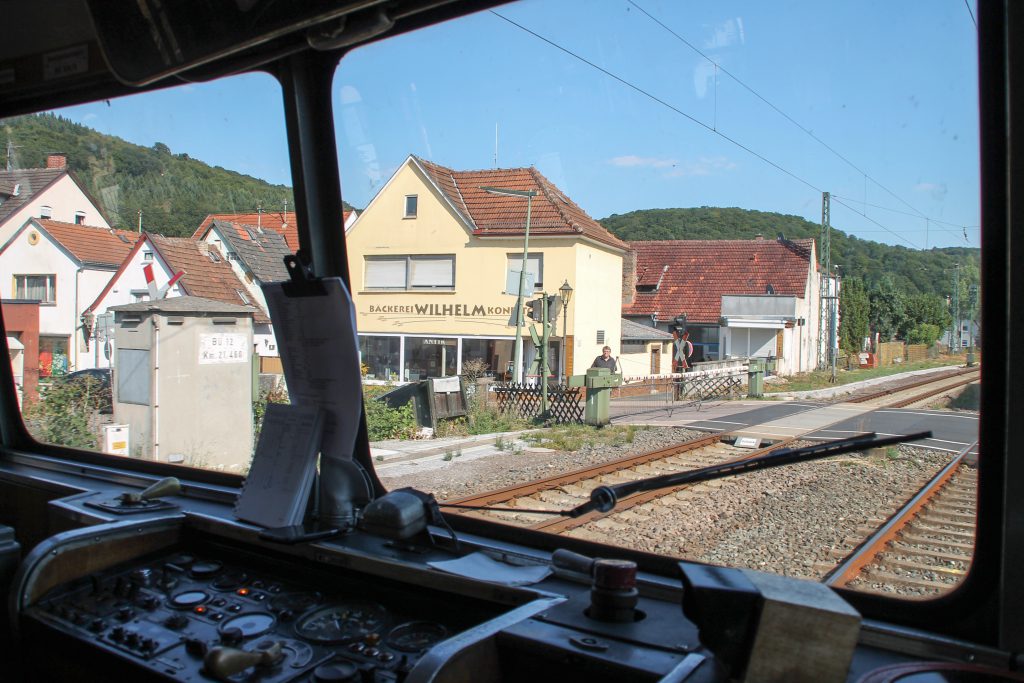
(824, 244)
(955, 338)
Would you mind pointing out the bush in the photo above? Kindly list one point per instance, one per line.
(65, 413)
(484, 418)
(259, 409)
(383, 422)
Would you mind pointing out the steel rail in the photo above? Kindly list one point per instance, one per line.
(523, 490)
(912, 385)
(865, 553)
(902, 403)
(560, 525)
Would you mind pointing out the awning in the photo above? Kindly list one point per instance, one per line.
(753, 323)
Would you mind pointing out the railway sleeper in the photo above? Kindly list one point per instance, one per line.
(882, 575)
(897, 547)
(922, 567)
(925, 541)
(920, 527)
(957, 518)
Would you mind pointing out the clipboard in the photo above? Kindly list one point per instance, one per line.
(315, 326)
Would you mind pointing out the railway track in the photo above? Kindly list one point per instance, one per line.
(566, 491)
(908, 394)
(926, 547)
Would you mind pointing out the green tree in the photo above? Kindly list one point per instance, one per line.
(888, 309)
(854, 314)
(928, 310)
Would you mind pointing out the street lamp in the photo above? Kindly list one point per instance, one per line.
(566, 292)
(517, 351)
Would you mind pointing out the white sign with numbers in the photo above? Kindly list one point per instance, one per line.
(223, 348)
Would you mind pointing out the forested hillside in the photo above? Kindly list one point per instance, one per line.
(912, 271)
(173, 191)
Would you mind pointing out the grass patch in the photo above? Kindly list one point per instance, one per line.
(820, 379)
(574, 437)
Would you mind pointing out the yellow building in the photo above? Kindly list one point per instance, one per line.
(433, 254)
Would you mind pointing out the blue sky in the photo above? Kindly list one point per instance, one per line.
(891, 87)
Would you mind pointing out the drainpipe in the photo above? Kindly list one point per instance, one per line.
(78, 320)
(154, 400)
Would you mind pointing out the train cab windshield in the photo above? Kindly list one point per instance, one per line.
(575, 250)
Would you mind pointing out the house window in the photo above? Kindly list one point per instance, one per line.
(410, 272)
(232, 256)
(42, 288)
(242, 296)
(79, 217)
(411, 202)
(147, 256)
(46, 212)
(139, 295)
(534, 271)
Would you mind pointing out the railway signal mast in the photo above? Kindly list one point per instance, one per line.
(828, 294)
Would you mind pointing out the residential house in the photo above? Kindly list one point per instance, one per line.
(49, 193)
(180, 266)
(735, 298)
(284, 223)
(645, 350)
(64, 267)
(257, 257)
(435, 261)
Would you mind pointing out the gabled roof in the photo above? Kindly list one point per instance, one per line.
(632, 331)
(491, 215)
(31, 181)
(284, 223)
(207, 274)
(700, 271)
(91, 245)
(262, 251)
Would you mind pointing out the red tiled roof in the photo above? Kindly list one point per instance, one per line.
(701, 271)
(90, 244)
(204, 277)
(493, 215)
(283, 222)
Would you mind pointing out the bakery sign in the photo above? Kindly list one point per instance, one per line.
(443, 310)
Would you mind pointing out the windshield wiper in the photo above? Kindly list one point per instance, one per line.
(604, 498)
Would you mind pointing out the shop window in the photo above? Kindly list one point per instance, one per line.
(427, 357)
(410, 272)
(486, 357)
(53, 356)
(411, 202)
(380, 356)
(534, 269)
(41, 288)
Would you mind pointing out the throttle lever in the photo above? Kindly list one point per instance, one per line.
(224, 662)
(168, 486)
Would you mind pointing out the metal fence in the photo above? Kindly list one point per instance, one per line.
(640, 395)
(524, 400)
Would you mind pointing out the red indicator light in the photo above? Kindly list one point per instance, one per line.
(200, 610)
(242, 591)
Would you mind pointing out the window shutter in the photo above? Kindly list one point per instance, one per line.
(431, 272)
(385, 274)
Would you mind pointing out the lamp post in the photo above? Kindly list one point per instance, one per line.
(517, 350)
(566, 292)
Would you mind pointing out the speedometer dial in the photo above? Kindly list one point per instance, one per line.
(343, 622)
(416, 636)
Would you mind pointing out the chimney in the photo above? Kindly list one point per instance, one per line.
(628, 277)
(759, 237)
(57, 160)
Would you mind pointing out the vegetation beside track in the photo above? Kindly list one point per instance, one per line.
(822, 379)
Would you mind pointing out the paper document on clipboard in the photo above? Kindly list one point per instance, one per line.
(315, 329)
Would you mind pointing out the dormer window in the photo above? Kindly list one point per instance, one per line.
(411, 202)
(46, 212)
(79, 217)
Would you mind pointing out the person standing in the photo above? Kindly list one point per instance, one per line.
(605, 360)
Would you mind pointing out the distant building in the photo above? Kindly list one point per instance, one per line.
(48, 193)
(64, 267)
(285, 223)
(736, 298)
(204, 273)
(645, 350)
(433, 254)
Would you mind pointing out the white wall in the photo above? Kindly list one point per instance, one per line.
(596, 303)
(65, 198)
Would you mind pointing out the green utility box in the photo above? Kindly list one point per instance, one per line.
(599, 383)
(755, 378)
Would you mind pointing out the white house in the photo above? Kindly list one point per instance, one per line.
(64, 266)
(50, 193)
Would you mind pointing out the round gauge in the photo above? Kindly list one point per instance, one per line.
(229, 581)
(205, 569)
(416, 636)
(342, 622)
(188, 599)
(252, 624)
(297, 603)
